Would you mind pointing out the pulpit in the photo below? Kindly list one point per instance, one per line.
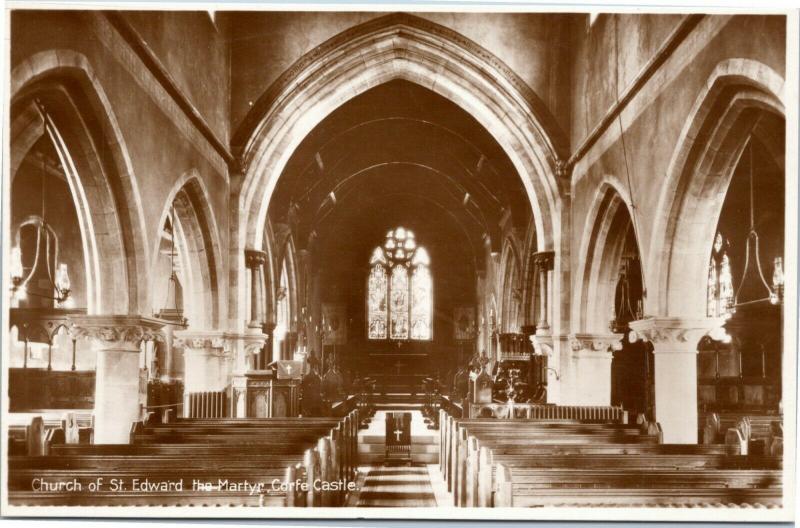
(265, 394)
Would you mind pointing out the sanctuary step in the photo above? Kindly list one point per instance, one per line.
(372, 441)
(397, 401)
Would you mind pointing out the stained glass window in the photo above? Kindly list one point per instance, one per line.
(400, 289)
(377, 307)
(720, 281)
(399, 296)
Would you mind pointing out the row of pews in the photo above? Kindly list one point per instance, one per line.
(488, 462)
(756, 433)
(198, 462)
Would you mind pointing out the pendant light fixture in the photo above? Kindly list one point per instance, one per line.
(46, 253)
(774, 294)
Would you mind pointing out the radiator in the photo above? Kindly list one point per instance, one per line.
(209, 404)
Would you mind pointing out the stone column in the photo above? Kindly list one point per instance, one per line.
(586, 371)
(116, 340)
(675, 342)
(544, 264)
(207, 360)
(254, 259)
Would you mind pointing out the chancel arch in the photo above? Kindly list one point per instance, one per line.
(403, 47)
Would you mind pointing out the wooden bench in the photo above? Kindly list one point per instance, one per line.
(759, 433)
(555, 435)
(514, 463)
(199, 462)
(30, 433)
(513, 491)
(460, 464)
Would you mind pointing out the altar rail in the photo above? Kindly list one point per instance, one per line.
(530, 411)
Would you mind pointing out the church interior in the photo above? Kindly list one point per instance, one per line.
(424, 259)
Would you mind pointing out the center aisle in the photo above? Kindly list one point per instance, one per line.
(397, 485)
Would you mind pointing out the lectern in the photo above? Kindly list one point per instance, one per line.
(398, 438)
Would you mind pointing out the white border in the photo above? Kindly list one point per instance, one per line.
(784, 514)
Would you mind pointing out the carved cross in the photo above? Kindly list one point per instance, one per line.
(398, 433)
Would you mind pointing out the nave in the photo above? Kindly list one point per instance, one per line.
(240, 242)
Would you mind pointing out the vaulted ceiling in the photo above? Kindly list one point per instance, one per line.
(399, 153)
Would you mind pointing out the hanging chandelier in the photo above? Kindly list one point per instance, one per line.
(629, 309)
(774, 292)
(45, 256)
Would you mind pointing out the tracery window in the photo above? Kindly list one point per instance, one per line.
(400, 289)
(720, 281)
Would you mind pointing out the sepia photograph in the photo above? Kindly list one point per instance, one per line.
(359, 262)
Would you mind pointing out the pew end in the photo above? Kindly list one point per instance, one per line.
(503, 497)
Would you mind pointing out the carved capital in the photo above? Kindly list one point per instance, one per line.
(254, 258)
(250, 342)
(594, 342)
(211, 343)
(116, 330)
(544, 260)
(269, 327)
(674, 335)
(542, 345)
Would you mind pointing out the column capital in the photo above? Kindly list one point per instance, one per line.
(597, 343)
(213, 342)
(251, 342)
(675, 335)
(254, 258)
(129, 330)
(542, 345)
(544, 260)
(218, 342)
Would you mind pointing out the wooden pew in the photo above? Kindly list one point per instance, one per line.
(265, 451)
(758, 432)
(505, 463)
(521, 487)
(72, 427)
(462, 449)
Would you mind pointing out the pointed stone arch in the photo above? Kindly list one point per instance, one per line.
(510, 286)
(192, 205)
(608, 226)
(700, 171)
(92, 147)
(399, 47)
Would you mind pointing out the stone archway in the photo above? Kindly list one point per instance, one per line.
(602, 244)
(196, 221)
(698, 177)
(102, 181)
(409, 48)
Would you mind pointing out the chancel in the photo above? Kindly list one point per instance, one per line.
(528, 259)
